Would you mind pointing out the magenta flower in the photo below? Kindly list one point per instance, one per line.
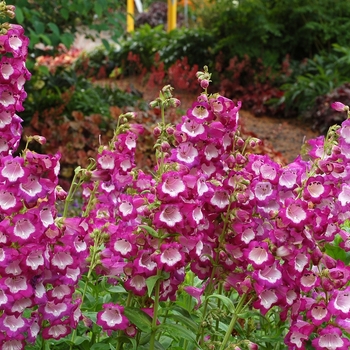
(171, 257)
(339, 107)
(340, 303)
(319, 313)
(331, 338)
(258, 255)
(112, 317)
(57, 330)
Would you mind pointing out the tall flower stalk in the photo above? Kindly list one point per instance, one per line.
(253, 233)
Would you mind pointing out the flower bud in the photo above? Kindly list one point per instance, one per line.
(174, 102)
(339, 107)
(157, 131)
(204, 83)
(165, 146)
(61, 194)
(39, 139)
(170, 130)
(239, 142)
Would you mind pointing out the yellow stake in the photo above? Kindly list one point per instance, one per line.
(130, 9)
(172, 4)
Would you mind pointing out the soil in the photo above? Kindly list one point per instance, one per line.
(284, 137)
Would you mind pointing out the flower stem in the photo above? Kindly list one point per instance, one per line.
(73, 188)
(155, 313)
(232, 324)
(93, 262)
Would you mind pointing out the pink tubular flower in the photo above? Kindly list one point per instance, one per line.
(319, 313)
(171, 257)
(339, 107)
(340, 303)
(112, 317)
(258, 255)
(331, 338)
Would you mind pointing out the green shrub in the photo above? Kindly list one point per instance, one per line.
(271, 29)
(316, 77)
(55, 22)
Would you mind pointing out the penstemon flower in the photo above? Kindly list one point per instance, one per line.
(238, 221)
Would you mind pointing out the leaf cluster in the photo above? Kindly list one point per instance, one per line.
(271, 29)
(55, 22)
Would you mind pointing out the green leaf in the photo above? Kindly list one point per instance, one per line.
(139, 318)
(39, 27)
(227, 301)
(19, 15)
(150, 230)
(188, 322)
(54, 28)
(98, 9)
(151, 282)
(67, 39)
(177, 331)
(64, 13)
(79, 339)
(92, 315)
(100, 346)
(45, 38)
(106, 44)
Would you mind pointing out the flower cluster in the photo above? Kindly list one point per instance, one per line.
(231, 217)
(41, 260)
(235, 219)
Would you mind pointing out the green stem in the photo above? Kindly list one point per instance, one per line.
(209, 288)
(232, 324)
(73, 188)
(219, 307)
(155, 313)
(91, 200)
(93, 263)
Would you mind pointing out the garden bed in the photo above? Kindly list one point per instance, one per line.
(284, 136)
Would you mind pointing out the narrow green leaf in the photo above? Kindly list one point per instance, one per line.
(106, 44)
(189, 323)
(150, 230)
(139, 318)
(177, 331)
(151, 282)
(227, 301)
(100, 346)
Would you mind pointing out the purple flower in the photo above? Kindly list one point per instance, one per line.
(339, 107)
(112, 317)
(330, 337)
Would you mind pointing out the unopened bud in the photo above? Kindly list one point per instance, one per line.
(170, 131)
(39, 139)
(239, 142)
(61, 194)
(339, 107)
(165, 146)
(174, 102)
(157, 131)
(204, 83)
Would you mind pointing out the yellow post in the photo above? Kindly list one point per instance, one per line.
(172, 4)
(130, 9)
